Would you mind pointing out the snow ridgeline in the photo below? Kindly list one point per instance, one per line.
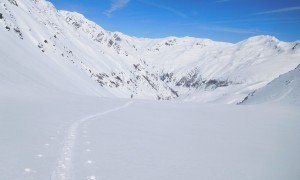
(282, 90)
(63, 51)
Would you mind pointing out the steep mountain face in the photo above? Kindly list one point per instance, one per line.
(283, 90)
(73, 50)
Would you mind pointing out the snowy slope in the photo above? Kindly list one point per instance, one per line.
(25, 70)
(189, 69)
(62, 116)
(283, 90)
(77, 138)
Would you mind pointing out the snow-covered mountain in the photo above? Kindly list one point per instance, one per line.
(63, 51)
(282, 90)
(65, 112)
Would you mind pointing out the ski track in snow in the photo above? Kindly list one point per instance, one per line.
(65, 162)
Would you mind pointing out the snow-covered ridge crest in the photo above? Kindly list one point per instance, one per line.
(282, 90)
(166, 68)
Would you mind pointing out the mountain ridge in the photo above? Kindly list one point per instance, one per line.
(190, 69)
(282, 90)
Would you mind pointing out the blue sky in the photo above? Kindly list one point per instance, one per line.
(220, 20)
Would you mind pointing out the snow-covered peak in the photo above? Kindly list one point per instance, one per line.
(261, 38)
(164, 68)
(73, 14)
(260, 41)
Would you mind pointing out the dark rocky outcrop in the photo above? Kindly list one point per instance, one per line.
(246, 98)
(14, 2)
(216, 83)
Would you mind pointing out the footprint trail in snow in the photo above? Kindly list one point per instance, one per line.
(64, 166)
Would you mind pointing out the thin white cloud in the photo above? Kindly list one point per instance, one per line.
(222, 1)
(256, 21)
(295, 8)
(172, 10)
(221, 28)
(232, 30)
(116, 5)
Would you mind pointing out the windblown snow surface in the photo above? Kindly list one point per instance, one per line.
(66, 112)
(80, 137)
